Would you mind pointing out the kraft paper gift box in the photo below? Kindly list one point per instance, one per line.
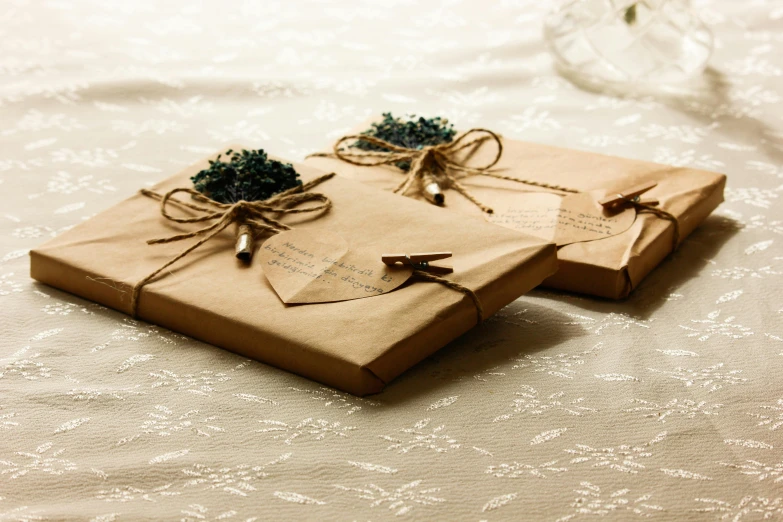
(609, 267)
(356, 345)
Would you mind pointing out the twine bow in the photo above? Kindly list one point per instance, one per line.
(438, 164)
(249, 215)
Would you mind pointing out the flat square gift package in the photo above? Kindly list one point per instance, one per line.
(547, 191)
(316, 298)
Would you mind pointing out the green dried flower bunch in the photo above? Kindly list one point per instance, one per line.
(247, 175)
(412, 133)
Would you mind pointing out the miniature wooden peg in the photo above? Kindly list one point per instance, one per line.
(616, 199)
(420, 261)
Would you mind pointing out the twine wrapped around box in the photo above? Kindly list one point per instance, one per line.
(252, 220)
(436, 167)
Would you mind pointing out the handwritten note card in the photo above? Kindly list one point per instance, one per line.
(562, 219)
(305, 267)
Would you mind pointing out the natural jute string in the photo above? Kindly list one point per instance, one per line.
(642, 207)
(247, 213)
(426, 276)
(434, 163)
(438, 163)
(250, 215)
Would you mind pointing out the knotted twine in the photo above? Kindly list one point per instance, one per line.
(439, 164)
(433, 163)
(251, 218)
(248, 214)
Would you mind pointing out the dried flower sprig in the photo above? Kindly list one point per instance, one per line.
(412, 133)
(247, 175)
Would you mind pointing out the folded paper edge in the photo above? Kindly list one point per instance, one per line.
(50, 271)
(461, 316)
(596, 280)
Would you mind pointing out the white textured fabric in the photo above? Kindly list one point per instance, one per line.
(667, 405)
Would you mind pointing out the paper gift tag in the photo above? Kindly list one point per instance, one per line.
(307, 267)
(562, 219)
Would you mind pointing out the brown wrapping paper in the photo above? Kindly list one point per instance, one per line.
(610, 267)
(357, 345)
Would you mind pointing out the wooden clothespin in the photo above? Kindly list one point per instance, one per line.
(633, 193)
(420, 261)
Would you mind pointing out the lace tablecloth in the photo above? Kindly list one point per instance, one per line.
(668, 405)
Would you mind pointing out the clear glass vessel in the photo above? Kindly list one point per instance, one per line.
(626, 43)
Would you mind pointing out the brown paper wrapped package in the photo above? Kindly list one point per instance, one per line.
(356, 346)
(610, 267)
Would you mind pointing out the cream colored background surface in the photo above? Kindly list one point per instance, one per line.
(668, 405)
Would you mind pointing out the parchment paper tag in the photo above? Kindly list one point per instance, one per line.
(305, 267)
(562, 219)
